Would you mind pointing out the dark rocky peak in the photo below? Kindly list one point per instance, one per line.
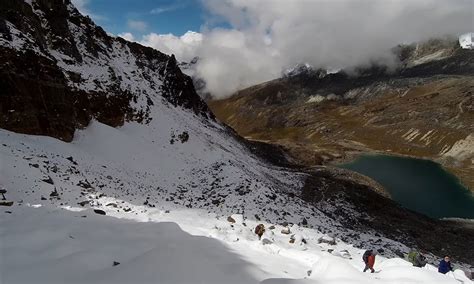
(426, 51)
(304, 70)
(189, 68)
(91, 74)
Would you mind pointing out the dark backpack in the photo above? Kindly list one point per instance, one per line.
(366, 255)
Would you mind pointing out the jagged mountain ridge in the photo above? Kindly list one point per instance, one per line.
(82, 73)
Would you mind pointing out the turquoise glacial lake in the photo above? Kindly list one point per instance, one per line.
(419, 185)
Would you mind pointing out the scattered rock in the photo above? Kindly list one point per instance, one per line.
(6, 203)
(266, 241)
(327, 240)
(259, 230)
(292, 239)
(183, 137)
(114, 205)
(3, 191)
(345, 254)
(8, 212)
(84, 203)
(84, 184)
(115, 263)
(271, 227)
(286, 231)
(43, 198)
(100, 212)
(54, 193)
(48, 180)
(304, 222)
(71, 160)
(309, 272)
(380, 250)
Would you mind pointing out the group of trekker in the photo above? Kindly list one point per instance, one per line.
(415, 257)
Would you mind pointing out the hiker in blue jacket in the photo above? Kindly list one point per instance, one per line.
(445, 265)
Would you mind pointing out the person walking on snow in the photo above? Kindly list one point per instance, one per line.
(445, 265)
(369, 260)
(417, 258)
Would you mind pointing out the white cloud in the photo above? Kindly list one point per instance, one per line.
(184, 47)
(137, 25)
(128, 36)
(167, 8)
(269, 35)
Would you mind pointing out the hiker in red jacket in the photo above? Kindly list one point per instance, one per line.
(369, 260)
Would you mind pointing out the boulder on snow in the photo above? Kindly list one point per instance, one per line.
(84, 203)
(342, 253)
(259, 230)
(292, 239)
(266, 241)
(100, 212)
(286, 231)
(54, 193)
(6, 203)
(327, 240)
(230, 220)
(48, 180)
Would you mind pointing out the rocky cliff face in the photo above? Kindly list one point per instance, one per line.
(80, 73)
(423, 109)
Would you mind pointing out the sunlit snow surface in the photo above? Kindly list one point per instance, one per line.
(44, 245)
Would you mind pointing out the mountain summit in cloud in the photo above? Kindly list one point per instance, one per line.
(258, 38)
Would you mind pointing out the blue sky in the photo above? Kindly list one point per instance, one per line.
(145, 16)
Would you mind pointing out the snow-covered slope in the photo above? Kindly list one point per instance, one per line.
(157, 159)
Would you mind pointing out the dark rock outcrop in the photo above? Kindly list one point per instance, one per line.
(45, 50)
